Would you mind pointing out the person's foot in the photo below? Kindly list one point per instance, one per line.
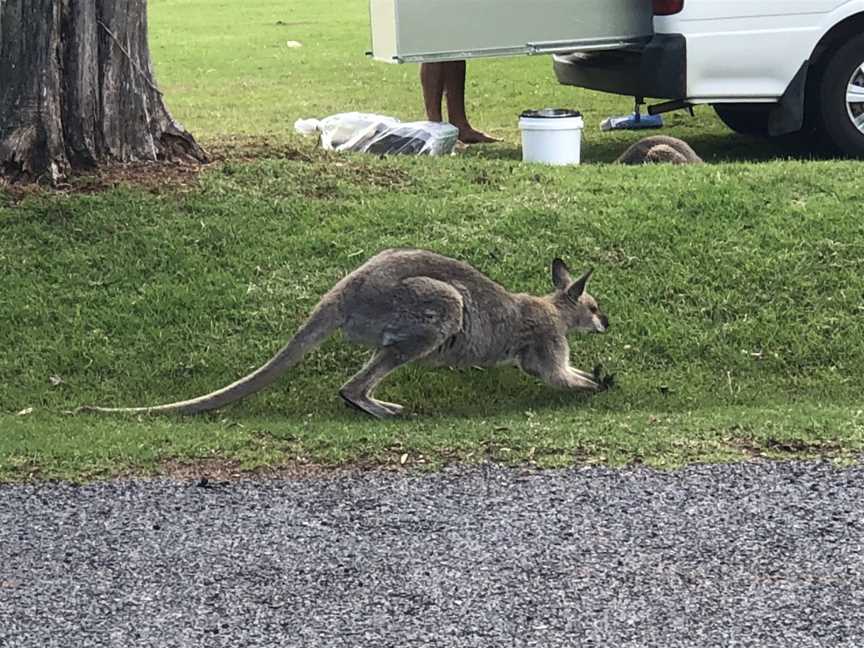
(468, 135)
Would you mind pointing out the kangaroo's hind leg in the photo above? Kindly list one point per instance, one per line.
(429, 312)
(357, 392)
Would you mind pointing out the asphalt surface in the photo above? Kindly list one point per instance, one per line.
(743, 555)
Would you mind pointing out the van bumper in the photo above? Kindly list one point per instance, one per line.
(657, 70)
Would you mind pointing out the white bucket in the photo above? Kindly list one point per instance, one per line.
(551, 136)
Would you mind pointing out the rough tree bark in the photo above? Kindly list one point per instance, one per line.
(77, 89)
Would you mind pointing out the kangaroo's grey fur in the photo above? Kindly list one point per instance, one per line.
(413, 305)
(660, 148)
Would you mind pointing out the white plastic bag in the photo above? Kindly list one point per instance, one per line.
(380, 134)
(345, 131)
(414, 138)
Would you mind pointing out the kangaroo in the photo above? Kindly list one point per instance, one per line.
(660, 148)
(414, 305)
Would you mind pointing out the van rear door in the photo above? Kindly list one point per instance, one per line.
(441, 30)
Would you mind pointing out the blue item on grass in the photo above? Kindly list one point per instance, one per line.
(634, 121)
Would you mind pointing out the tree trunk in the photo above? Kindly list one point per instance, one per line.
(77, 89)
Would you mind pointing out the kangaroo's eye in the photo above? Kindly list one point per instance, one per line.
(593, 309)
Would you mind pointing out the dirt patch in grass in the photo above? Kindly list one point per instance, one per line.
(327, 171)
(387, 178)
(327, 166)
(216, 469)
(150, 176)
(797, 446)
(208, 470)
(758, 448)
(245, 149)
(360, 175)
(159, 177)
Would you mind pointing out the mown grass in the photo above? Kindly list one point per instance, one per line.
(734, 289)
(227, 72)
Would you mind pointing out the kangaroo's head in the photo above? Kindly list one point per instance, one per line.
(578, 309)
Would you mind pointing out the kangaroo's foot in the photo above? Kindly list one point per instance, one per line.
(569, 378)
(371, 406)
(393, 407)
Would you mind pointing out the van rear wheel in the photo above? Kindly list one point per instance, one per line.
(746, 119)
(841, 98)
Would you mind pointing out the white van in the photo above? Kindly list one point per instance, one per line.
(768, 67)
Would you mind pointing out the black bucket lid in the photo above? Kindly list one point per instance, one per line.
(550, 113)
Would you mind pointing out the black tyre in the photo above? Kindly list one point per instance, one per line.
(841, 98)
(746, 119)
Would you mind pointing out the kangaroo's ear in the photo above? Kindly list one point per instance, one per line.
(575, 291)
(560, 275)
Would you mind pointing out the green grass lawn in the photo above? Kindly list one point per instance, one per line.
(735, 289)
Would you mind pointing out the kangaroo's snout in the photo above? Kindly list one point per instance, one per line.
(604, 324)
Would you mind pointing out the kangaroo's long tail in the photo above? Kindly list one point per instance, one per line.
(325, 319)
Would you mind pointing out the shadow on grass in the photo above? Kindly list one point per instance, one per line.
(712, 147)
(466, 395)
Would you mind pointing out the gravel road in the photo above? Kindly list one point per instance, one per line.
(757, 554)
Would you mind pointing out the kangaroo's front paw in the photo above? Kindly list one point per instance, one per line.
(604, 382)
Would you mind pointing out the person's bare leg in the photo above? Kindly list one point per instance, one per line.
(432, 81)
(454, 89)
